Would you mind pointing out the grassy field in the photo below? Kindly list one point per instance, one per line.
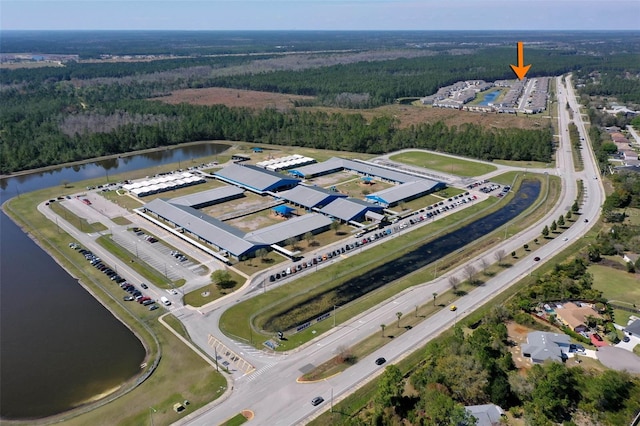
(525, 164)
(443, 163)
(619, 287)
(211, 292)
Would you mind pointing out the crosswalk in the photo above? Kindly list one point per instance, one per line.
(251, 377)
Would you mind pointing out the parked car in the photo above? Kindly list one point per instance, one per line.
(153, 307)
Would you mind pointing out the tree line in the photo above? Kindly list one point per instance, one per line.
(40, 140)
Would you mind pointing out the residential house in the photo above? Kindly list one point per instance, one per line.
(542, 346)
(574, 315)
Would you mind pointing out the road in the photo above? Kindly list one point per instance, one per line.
(271, 390)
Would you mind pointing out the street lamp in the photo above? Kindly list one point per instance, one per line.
(151, 411)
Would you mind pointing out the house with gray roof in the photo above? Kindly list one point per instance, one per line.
(486, 414)
(542, 346)
(310, 196)
(255, 178)
(349, 209)
(633, 329)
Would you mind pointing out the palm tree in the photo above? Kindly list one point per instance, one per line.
(382, 326)
(399, 315)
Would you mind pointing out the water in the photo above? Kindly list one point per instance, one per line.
(414, 260)
(490, 97)
(59, 346)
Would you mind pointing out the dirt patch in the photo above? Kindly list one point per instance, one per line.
(407, 115)
(233, 98)
(518, 335)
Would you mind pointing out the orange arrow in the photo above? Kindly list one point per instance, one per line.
(520, 70)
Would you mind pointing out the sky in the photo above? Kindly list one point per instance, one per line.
(320, 15)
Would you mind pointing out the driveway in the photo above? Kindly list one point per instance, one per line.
(619, 359)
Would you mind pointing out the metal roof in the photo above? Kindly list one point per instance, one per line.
(404, 191)
(211, 196)
(368, 169)
(212, 230)
(255, 178)
(348, 209)
(331, 165)
(293, 227)
(310, 196)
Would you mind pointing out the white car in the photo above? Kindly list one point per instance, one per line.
(173, 291)
(565, 239)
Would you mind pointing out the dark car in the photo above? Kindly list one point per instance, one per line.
(625, 339)
(380, 361)
(536, 258)
(317, 400)
(143, 285)
(586, 221)
(153, 307)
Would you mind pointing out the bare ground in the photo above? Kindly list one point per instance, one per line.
(232, 98)
(406, 114)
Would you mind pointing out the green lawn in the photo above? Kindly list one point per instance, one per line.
(525, 164)
(211, 292)
(444, 164)
(619, 287)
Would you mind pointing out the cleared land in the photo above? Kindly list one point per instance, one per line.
(232, 98)
(443, 163)
(407, 115)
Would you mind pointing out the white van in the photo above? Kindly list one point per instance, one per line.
(165, 301)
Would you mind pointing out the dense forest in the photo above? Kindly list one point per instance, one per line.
(475, 366)
(51, 115)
